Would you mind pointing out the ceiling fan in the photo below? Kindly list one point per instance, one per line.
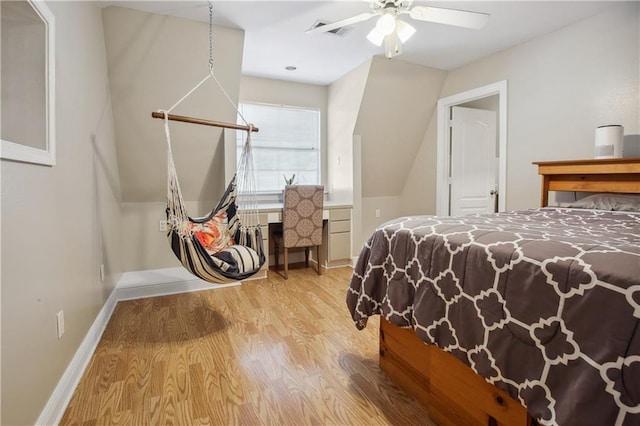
(393, 32)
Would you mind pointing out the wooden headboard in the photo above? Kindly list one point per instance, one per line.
(595, 175)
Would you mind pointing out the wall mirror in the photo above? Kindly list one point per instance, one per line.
(27, 84)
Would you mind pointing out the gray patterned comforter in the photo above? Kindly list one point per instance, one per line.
(543, 303)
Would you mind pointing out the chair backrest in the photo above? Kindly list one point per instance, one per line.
(302, 215)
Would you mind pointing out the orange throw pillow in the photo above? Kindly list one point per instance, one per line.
(213, 234)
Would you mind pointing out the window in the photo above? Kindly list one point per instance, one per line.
(288, 143)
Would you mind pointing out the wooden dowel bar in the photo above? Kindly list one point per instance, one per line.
(204, 122)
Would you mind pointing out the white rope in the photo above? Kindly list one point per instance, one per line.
(189, 93)
(247, 187)
(246, 183)
(230, 100)
(178, 217)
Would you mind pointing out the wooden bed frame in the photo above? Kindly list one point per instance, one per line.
(454, 394)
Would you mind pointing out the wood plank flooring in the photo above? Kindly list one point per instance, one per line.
(267, 352)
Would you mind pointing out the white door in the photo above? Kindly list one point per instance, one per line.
(473, 178)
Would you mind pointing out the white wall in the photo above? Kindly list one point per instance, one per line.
(561, 86)
(60, 223)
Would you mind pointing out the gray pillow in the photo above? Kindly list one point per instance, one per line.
(619, 202)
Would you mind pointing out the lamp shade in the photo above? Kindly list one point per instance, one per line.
(404, 30)
(386, 24)
(375, 36)
(392, 32)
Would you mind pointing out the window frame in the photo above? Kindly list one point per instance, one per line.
(276, 195)
(14, 150)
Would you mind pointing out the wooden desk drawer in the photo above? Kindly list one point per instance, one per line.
(340, 226)
(340, 246)
(339, 214)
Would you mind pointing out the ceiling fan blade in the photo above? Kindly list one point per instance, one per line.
(339, 24)
(460, 18)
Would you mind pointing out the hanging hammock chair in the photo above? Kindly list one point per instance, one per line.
(226, 244)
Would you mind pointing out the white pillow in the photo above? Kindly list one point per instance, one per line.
(619, 202)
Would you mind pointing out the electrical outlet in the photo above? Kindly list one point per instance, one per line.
(377, 212)
(162, 226)
(60, 322)
(102, 272)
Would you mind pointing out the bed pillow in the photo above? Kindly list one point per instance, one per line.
(619, 202)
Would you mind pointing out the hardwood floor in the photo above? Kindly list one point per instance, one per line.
(266, 352)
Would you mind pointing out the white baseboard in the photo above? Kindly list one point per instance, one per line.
(162, 282)
(132, 285)
(57, 404)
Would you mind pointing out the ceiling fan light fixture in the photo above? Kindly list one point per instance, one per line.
(393, 32)
(404, 30)
(375, 37)
(386, 24)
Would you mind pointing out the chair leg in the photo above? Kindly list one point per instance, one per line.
(286, 263)
(306, 257)
(319, 260)
(276, 254)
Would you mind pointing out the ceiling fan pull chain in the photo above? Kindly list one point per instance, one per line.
(211, 37)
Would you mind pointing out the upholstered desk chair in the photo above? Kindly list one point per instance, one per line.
(301, 223)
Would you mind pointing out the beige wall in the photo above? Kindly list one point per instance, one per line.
(145, 246)
(153, 61)
(398, 101)
(561, 86)
(397, 105)
(419, 192)
(345, 99)
(344, 148)
(60, 223)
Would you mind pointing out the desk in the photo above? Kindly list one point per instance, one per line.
(336, 235)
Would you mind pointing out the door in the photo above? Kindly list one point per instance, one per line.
(473, 178)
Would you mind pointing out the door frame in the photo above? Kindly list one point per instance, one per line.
(443, 155)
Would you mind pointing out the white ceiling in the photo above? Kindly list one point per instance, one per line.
(275, 32)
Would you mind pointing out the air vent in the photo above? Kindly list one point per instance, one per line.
(341, 32)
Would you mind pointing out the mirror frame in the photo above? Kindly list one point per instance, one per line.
(19, 152)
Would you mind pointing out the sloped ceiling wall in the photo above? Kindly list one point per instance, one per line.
(345, 99)
(398, 102)
(154, 60)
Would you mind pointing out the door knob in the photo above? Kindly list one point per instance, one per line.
(493, 192)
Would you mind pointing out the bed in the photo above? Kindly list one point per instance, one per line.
(528, 316)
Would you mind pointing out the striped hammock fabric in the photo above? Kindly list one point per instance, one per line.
(225, 245)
